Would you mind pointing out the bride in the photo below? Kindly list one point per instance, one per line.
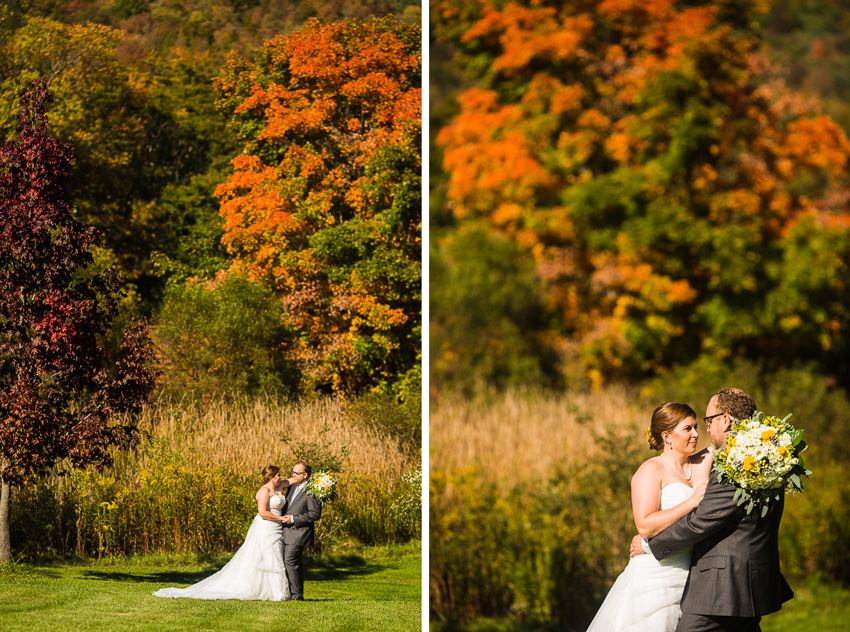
(646, 595)
(256, 572)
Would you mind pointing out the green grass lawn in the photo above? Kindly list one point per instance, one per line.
(816, 607)
(371, 588)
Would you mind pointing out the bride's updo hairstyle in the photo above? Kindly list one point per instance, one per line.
(269, 472)
(664, 419)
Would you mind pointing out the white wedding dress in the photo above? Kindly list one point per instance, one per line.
(646, 595)
(255, 573)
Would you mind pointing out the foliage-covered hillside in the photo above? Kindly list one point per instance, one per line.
(133, 82)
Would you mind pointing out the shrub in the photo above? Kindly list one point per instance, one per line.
(469, 560)
(368, 511)
(407, 507)
(317, 451)
(815, 533)
(224, 335)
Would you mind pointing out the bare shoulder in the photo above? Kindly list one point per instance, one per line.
(649, 469)
(647, 482)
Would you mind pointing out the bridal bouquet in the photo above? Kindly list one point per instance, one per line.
(322, 486)
(762, 458)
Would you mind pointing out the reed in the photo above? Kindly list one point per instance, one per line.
(521, 435)
(244, 435)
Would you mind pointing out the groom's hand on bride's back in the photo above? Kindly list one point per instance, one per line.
(636, 547)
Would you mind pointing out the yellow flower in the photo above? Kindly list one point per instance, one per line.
(767, 435)
(749, 462)
(730, 441)
(782, 451)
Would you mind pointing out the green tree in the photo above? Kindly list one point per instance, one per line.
(99, 108)
(487, 321)
(224, 335)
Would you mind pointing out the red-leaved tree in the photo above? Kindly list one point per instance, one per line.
(63, 389)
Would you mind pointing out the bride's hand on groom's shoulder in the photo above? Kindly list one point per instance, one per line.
(636, 547)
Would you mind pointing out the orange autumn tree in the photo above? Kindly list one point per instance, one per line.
(675, 198)
(323, 205)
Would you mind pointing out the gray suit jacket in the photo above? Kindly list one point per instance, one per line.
(305, 510)
(735, 563)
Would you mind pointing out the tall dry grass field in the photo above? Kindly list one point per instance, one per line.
(521, 435)
(246, 435)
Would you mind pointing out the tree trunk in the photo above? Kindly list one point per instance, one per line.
(5, 540)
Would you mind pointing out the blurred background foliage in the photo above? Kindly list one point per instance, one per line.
(629, 204)
(668, 191)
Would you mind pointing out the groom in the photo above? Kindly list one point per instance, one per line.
(734, 578)
(301, 511)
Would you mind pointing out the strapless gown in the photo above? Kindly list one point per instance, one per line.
(646, 595)
(255, 573)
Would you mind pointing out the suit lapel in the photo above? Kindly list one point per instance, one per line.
(292, 500)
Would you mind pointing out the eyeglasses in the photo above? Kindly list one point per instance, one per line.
(708, 419)
(298, 473)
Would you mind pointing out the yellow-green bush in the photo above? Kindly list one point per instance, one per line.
(469, 559)
(541, 555)
(169, 505)
(815, 531)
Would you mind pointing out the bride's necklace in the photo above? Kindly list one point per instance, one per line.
(690, 469)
